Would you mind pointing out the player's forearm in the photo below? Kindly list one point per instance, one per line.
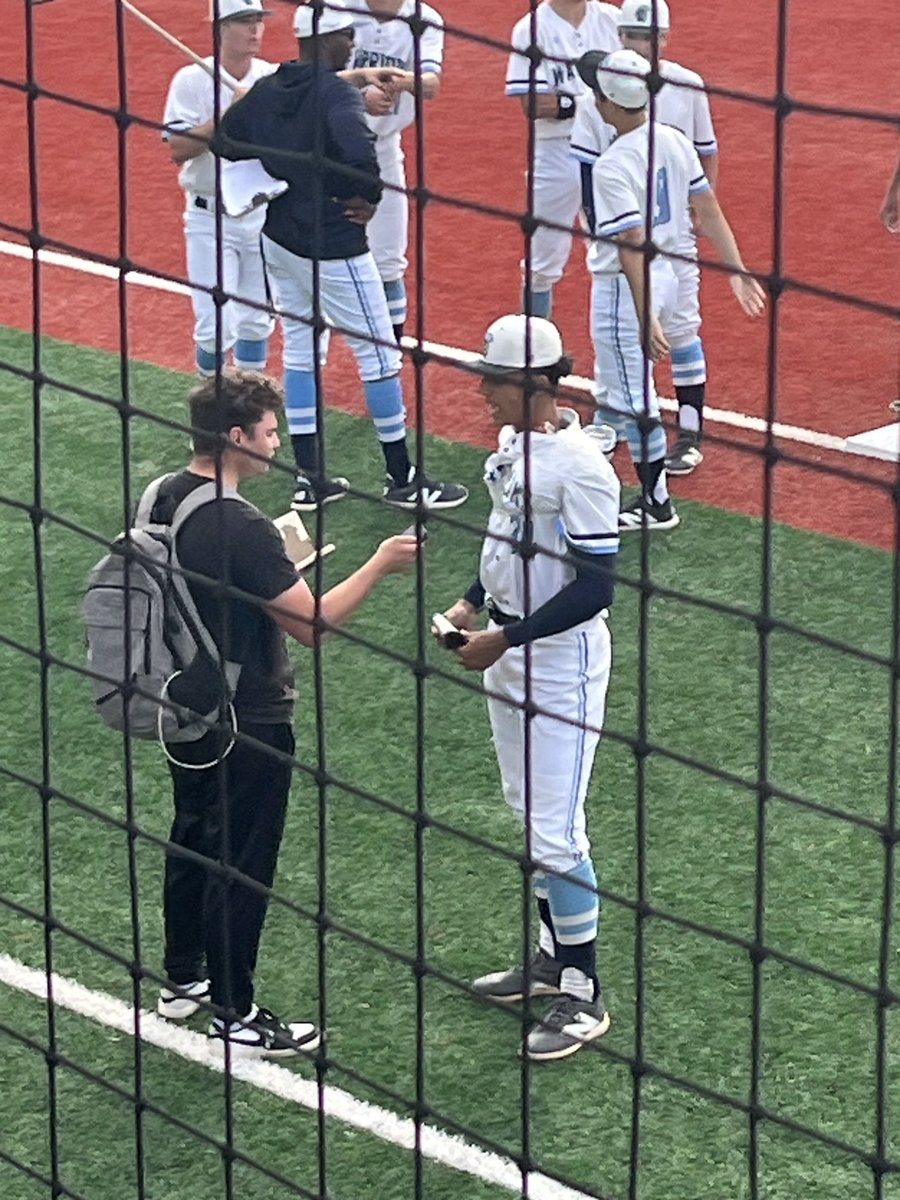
(191, 144)
(631, 260)
(543, 106)
(430, 81)
(717, 229)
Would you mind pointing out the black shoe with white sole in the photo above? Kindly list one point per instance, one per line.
(263, 1035)
(686, 454)
(309, 494)
(642, 514)
(566, 1026)
(505, 987)
(421, 491)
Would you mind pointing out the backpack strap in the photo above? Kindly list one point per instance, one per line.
(148, 500)
(206, 493)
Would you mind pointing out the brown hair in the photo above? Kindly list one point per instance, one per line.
(232, 398)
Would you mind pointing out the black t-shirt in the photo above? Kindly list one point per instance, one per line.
(234, 544)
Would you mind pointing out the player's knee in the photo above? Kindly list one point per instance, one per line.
(542, 281)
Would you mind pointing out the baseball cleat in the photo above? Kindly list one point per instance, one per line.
(641, 514)
(567, 1025)
(686, 454)
(310, 494)
(181, 1001)
(263, 1035)
(540, 979)
(421, 491)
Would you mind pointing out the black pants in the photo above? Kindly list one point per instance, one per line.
(232, 813)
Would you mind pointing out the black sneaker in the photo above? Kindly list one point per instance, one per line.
(263, 1035)
(686, 454)
(642, 514)
(419, 490)
(310, 494)
(506, 986)
(567, 1025)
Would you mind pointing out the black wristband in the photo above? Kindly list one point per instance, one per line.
(475, 595)
(565, 107)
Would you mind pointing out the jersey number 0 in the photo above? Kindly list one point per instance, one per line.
(662, 212)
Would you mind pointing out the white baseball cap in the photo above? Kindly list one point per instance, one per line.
(226, 10)
(514, 341)
(332, 18)
(621, 78)
(639, 14)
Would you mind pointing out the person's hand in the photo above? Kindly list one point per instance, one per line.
(749, 294)
(378, 76)
(462, 614)
(357, 210)
(396, 554)
(482, 649)
(377, 100)
(654, 340)
(890, 210)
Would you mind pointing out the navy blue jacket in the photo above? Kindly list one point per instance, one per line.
(307, 127)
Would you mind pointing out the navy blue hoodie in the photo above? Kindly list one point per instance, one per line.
(307, 127)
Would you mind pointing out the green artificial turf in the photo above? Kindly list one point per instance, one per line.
(826, 742)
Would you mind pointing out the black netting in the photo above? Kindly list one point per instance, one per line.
(315, 774)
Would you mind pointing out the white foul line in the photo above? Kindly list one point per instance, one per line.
(719, 416)
(440, 1147)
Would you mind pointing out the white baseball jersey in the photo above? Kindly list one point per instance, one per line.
(190, 103)
(621, 198)
(685, 108)
(574, 504)
(391, 43)
(563, 43)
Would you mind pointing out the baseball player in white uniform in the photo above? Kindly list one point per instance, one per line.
(553, 493)
(563, 30)
(649, 174)
(683, 103)
(384, 38)
(189, 123)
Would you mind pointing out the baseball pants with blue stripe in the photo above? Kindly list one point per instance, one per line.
(569, 675)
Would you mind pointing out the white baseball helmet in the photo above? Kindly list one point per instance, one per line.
(621, 77)
(514, 341)
(225, 10)
(639, 14)
(332, 18)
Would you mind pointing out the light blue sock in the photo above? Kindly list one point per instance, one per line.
(574, 908)
(688, 364)
(251, 353)
(300, 401)
(541, 303)
(208, 361)
(384, 398)
(395, 291)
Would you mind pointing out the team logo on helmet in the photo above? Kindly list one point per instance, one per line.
(642, 13)
(488, 342)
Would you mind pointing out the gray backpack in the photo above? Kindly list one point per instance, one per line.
(154, 666)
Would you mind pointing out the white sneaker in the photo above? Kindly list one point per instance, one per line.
(180, 1002)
